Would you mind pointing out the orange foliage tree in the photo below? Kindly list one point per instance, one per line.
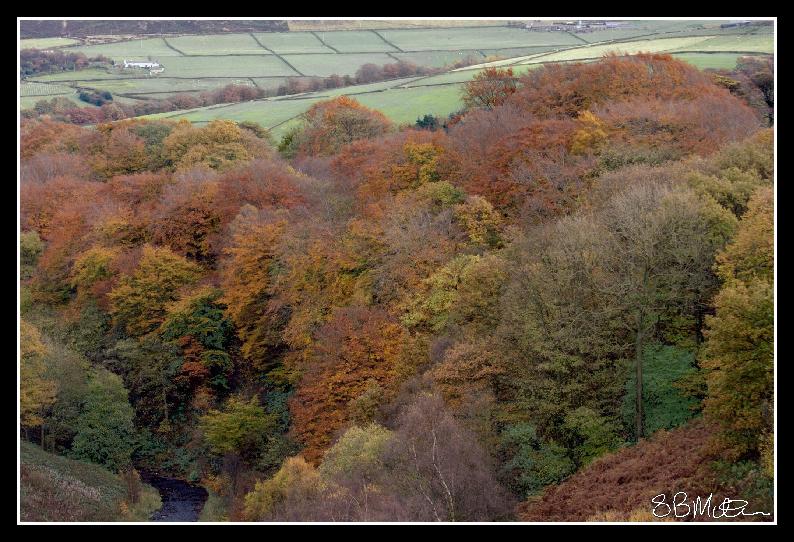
(357, 346)
(247, 282)
(489, 88)
(327, 126)
(567, 89)
(188, 219)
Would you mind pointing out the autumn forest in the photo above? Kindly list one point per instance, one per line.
(553, 305)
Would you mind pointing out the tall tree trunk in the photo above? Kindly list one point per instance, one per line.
(165, 404)
(699, 313)
(638, 344)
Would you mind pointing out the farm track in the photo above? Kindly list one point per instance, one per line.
(307, 96)
(310, 96)
(78, 85)
(676, 52)
(590, 58)
(162, 78)
(748, 53)
(419, 79)
(529, 58)
(320, 97)
(519, 60)
(491, 49)
(435, 84)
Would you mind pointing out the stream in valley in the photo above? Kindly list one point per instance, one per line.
(181, 501)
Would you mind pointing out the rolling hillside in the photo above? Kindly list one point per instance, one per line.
(621, 485)
(54, 488)
(200, 62)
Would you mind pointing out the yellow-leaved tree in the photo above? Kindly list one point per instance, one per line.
(739, 352)
(36, 392)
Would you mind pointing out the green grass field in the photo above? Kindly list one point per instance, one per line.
(338, 24)
(266, 82)
(630, 47)
(754, 43)
(214, 44)
(439, 59)
(461, 76)
(401, 105)
(372, 87)
(54, 488)
(227, 66)
(46, 43)
(356, 41)
(164, 85)
(154, 48)
(480, 38)
(443, 79)
(285, 43)
(521, 51)
(324, 65)
(88, 75)
(718, 61)
(406, 105)
(154, 87)
(599, 50)
(703, 61)
(42, 89)
(638, 29)
(27, 102)
(406, 100)
(268, 113)
(217, 60)
(768, 29)
(612, 34)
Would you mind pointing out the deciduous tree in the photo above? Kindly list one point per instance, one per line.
(36, 392)
(105, 432)
(489, 88)
(139, 301)
(739, 349)
(330, 125)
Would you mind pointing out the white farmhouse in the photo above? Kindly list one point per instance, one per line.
(141, 64)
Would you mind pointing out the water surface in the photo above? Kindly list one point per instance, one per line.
(181, 501)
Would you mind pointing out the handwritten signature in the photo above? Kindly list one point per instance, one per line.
(680, 507)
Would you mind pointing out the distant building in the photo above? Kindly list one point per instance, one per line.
(735, 23)
(581, 26)
(141, 64)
